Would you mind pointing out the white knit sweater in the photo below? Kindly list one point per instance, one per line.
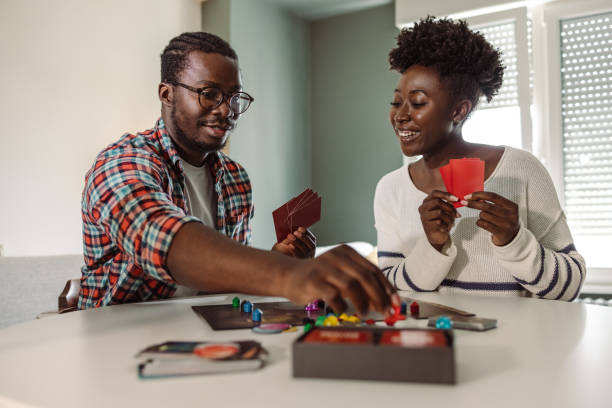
(540, 261)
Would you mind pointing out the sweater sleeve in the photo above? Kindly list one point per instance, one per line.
(542, 257)
(410, 263)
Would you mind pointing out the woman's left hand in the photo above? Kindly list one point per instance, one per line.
(498, 215)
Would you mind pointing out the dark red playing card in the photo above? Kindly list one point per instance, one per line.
(462, 177)
(301, 211)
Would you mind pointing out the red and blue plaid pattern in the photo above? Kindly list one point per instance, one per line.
(133, 205)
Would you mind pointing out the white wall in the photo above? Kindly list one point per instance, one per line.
(76, 74)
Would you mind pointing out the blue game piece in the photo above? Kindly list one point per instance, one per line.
(247, 307)
(404, 307)
(444, 322)
(256, 315)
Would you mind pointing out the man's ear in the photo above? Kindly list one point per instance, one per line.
(166, 94)
(462, 110)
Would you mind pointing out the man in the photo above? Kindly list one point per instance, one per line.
(166, 213)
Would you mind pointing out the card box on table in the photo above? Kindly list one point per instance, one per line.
(376, 353)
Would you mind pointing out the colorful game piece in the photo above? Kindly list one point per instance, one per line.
(404, 307)
(343, 317)
(290, 330)
(235, 303)
(256, 315)
(307, 327)
(271, 328)
(444, 322)
(331, 321)
(353, 319)
(247, 307)
(320, 321)
(397, 315)
(312, 307)
(370, 321)
(414, 308)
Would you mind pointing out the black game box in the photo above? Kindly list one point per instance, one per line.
(376, 353)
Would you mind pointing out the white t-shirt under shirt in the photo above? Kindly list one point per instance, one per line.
(201, 203)
(541, 260)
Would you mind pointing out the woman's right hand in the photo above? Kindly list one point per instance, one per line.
(438, 217)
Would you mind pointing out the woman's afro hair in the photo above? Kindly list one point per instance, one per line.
(465, 61)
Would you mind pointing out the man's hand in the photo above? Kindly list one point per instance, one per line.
(438, 217)
(300, 244)
(498, 215)
(338, 274)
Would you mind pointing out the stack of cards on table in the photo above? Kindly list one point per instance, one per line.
(178, 358)
(462, 177)
(301, 211)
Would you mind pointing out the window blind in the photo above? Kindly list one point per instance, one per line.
(502, 37)
(586, 108)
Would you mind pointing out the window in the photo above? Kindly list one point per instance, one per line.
(586, 110)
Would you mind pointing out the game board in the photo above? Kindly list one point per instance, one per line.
(226, 317)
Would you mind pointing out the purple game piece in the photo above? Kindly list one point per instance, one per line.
(312, 306)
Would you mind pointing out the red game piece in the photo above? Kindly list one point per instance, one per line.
(414, 308)
(370, 321)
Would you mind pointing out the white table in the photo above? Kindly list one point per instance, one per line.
(543, 353)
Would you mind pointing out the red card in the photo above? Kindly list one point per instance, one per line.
(462, 177)
(301, 211)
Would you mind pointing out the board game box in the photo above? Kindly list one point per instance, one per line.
(376, 353)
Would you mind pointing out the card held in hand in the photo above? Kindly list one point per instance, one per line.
(462, 177)
(301, 211)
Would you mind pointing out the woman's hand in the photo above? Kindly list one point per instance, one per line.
(498, 215)
(438, 217)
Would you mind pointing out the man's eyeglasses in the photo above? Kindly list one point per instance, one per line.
(210, 97)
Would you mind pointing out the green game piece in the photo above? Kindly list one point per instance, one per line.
(307, 327)
(320, 321)
(235, 303)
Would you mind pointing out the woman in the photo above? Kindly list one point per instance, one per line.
(512, 238)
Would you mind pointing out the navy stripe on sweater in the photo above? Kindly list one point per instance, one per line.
(482, 285)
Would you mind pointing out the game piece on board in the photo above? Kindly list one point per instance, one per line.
(247, 307)
(370, 321)
(235, 303)
(271, 328)
(404, 307)
(343, 317)
(312, 307)
(331, 321)
(320, 321)
(307, 327)
(256, 315)
(290, 330)
(353, 319)
(443, 322)
(414, 308)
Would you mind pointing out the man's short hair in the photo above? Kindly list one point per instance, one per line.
(174, 57)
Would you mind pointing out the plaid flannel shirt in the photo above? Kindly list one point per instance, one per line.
(134, 203)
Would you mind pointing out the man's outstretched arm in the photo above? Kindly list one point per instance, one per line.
(201, 258)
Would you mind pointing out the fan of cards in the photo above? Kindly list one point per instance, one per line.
(462, 177)
(301, 211)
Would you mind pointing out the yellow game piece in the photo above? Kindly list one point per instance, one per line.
(353, 319)
(331, 321)
(291, 329)
(343, 316)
